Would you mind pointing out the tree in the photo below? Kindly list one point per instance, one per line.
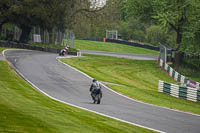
(178, 15)
(94, 24)
(132, 29)
(156, 35)
(4, 12)
(47, 14)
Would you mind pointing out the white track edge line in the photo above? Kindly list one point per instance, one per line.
(73, 104)
(127, 96)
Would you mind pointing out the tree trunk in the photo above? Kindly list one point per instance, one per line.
(179, 55)
(50, 35)
(1, 26)
(26, 30)
(178, 58)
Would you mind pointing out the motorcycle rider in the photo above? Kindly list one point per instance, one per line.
(64, 51)
(95, 89)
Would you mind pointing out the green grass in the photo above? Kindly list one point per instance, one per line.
(111, 47)
(137, 79)
(25, 110)
(2, 49)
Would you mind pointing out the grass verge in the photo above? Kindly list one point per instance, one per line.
(111, 47)
(2, 49)
(137, 79)
(25, 110)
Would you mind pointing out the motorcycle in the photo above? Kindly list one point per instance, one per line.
(96, 96)
(62, 52)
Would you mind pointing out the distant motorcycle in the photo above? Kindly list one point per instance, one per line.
(62, 52)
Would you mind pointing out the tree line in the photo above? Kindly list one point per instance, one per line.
(47, 14)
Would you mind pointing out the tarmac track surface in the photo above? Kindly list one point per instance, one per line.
(129, 56)
(66, 84)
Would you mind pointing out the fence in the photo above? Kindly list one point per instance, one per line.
(92, 39)
(53, 37)
(176, 76)
(190, 56)
(163, 53)
(192, 94)
(26, 46)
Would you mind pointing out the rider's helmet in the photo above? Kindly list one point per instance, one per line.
(94, 80)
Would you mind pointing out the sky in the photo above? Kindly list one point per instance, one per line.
(98, 3)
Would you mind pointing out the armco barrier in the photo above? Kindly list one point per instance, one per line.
(134, 44)
(192, 94)
(26, 46)
(198, 95)
(175, 75)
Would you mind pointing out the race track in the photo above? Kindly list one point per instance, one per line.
(120, 55)
(66, 84)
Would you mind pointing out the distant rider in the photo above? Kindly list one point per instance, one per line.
(64, 51)
(95, 88)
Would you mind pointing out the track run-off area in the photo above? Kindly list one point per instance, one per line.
(62, 82)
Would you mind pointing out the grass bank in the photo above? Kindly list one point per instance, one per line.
(25, 110)
(111, 47)
(137, 79)
(2, 49)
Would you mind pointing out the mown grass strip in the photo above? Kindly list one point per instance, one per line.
(25, 110)
(111, 47)
(137, 79)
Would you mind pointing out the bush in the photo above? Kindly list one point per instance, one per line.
(72, 50)
(3, 37)
(155, 34)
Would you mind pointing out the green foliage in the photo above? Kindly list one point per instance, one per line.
(141, 8)
(46, 14)
(180, 16)
(190, 68)
(3, 37)
(156, 35)
(72, 50)
(123, 30)
(95, 25)
(133, 29)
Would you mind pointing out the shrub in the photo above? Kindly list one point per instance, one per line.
(3, 37)
(156, 34)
